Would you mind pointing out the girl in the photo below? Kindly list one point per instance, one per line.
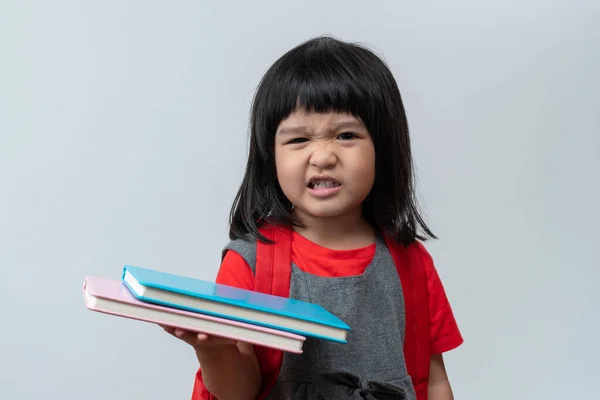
(330, 163)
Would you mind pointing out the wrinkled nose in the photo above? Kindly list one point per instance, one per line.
(323, 158)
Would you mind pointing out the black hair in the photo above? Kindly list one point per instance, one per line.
(320, 75)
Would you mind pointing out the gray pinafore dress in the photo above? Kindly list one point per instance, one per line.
(371, 364)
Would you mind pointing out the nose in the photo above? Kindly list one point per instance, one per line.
(323, 157)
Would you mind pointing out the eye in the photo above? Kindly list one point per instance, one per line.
(297, 140)
(347, 136)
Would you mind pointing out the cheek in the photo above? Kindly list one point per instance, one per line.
(365, 167)
(288, 173)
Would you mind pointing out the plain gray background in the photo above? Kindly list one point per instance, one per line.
(123, 135)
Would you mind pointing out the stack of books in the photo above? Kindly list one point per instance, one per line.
(214, 309)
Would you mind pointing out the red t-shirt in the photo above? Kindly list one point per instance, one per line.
(321, 261)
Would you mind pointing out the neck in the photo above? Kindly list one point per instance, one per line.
(343, 232)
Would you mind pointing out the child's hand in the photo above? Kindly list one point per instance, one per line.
(230, 368)
(201, 342)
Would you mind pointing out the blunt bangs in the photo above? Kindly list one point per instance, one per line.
(325, 76)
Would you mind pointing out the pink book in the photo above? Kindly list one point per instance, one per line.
(112, 297)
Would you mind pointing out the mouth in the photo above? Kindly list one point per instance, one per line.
(323, 182)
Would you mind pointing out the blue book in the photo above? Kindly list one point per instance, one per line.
(190, 294)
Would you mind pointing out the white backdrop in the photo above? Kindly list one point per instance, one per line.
(123, 133)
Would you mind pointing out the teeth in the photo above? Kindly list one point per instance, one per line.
(321, 184)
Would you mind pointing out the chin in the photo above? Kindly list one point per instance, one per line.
(325, 214)
(328, 212)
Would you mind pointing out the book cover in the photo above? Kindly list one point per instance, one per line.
(227, 295)
(112, 297)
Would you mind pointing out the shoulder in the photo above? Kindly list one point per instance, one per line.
(245, 247)
(421, 262)
(414, 254)
(238, 261)
(245, 244)
(418, 250)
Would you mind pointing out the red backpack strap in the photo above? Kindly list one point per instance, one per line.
(273, 261)
(413, 278)
(272, 276)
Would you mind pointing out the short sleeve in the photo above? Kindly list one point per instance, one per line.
(444, 332)
(235, 271)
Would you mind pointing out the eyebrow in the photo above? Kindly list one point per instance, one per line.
(335, 127)
(293, 130)
(347, 124)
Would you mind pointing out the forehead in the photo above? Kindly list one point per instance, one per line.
(312, 122)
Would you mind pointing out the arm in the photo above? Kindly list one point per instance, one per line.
(230, 371)
(439, 385)
(444, 332)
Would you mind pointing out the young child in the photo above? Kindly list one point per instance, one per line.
(330, 163)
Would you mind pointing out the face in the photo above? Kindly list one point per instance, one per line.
(325, 163)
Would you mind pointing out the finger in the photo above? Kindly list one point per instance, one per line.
(189, 337)
(186, 336)
(168, 329)
(214, 340)
(198, 339)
